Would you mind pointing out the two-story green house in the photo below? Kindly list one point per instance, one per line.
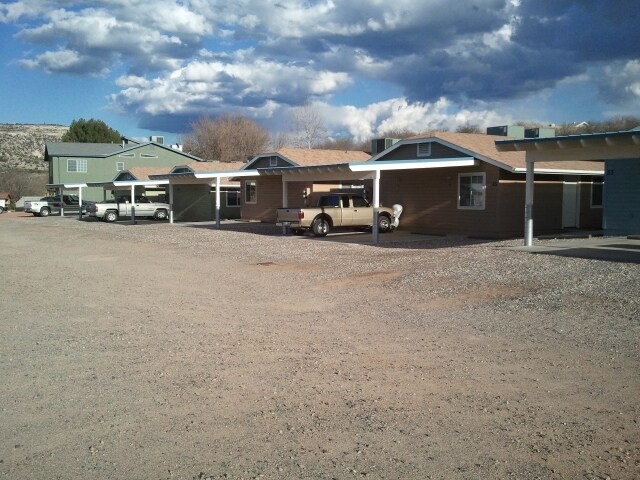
(82, 163)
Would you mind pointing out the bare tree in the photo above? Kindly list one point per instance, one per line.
(469, 127)
(20, 183)
(229, 138)
(308, 126)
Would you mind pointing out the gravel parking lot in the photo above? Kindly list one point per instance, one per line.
(157, 351)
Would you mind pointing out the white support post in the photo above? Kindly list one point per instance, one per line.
(80, 203)
(376, 207)
(133, 207)
(170, 202)
(285, 196)
(60, 192)
(218, 202)
(528, 206)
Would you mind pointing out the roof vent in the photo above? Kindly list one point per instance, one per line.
(515, 131)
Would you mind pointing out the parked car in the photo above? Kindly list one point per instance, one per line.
(53, 204)
(3, 205)
(111, 210)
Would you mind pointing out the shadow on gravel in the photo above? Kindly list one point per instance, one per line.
(397, 239)
(629, 254)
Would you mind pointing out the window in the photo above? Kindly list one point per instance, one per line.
(424, 149)
(330, 201)
(77, 165)
(119, 166)
(250, 191)
(273, 161)
(233, 198)
(471, 191)
(597, 184)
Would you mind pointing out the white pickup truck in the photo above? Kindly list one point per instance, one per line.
(53, 204)
(111, 210)
(337, 210)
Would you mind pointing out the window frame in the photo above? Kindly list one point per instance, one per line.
(80, 165)
(253, 199)
(119, 166)
(273, 161)
(484, 190)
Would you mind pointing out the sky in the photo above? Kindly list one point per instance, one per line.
(153, 67)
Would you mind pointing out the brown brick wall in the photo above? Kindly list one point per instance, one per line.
(429, 199)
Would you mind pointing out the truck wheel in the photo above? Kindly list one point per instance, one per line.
(160, 215)
(111, 216)
(44, 212)
(384, 223)
(320, 227)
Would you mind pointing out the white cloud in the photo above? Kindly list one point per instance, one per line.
(399, 114)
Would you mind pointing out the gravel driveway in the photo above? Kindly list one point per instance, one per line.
(161, 351)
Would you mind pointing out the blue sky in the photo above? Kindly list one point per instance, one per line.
(155, 66)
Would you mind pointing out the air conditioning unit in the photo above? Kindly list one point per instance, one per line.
(159, 139)
(380, 144)
(515, 131)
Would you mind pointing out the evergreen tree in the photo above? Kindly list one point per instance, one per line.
(91, 131)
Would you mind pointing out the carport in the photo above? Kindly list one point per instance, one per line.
(61, 187)
(358, 171)
(588, 147)
(186, 176)
(127, 185)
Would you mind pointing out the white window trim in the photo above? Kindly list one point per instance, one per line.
(119, 166)
(148, 155)
(255, 184)
(601, 183)
(484, 190)
(425, 151)
(127, 155)
(273, 161)
(80, 165)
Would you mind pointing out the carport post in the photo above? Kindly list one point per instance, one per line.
(133, 207)
(376, 207)
(60, 190)
(218, 201)
(170, 202)
(80, 203)
(285, 195)
(528, 206)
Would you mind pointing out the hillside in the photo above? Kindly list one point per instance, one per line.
(22, 145)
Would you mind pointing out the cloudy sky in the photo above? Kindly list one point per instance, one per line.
(154, 66)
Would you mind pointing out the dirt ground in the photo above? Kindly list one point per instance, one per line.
(158, 351)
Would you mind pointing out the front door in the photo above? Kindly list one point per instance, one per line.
(570, 204)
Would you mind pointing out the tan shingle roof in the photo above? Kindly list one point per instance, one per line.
(142, 173)
(484, 145)
(215, 166)
(309, 157)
